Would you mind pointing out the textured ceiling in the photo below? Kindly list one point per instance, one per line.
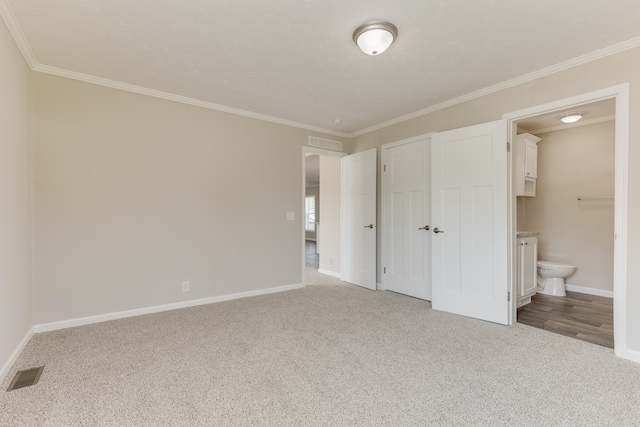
(295, 60)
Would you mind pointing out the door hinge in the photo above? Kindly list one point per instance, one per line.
(384, 169)
(384, 270)
(508, 147)
(508, 296)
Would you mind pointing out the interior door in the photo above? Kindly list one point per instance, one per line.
(407, 213)
(469, 215)
(358, 241)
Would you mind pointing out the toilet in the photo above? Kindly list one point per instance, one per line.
(551, 277)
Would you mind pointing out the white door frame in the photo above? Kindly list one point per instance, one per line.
(621, 95)
(383, 251)
(306, 150)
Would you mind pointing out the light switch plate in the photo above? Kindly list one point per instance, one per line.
(291, 216)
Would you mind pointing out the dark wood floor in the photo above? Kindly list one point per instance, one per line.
(311, 258)
(581, 316)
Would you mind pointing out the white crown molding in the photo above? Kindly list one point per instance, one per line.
(572, 125)
(16, 31)
(178, 98)
(598, 54)
(25, 48)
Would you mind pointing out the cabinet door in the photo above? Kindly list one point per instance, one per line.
(530, 159)
(525, 162)
(528, 251)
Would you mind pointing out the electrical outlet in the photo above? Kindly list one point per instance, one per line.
(330, 262)
(185, 286)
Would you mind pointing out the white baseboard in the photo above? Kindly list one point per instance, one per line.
(329, 273)
(632, 355)
(44, 327)
(16, 353)
(590, 291)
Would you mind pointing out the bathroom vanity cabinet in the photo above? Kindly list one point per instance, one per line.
(526, 164)
(527, 268)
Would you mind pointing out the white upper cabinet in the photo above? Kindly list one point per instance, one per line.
(526, 164)
(530, 159)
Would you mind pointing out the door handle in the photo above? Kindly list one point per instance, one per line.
(437, 230)
(368, 226)
(426, 228)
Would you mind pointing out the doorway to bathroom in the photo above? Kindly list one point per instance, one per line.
(571, 210)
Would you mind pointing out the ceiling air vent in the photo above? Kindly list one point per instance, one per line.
(325, 143)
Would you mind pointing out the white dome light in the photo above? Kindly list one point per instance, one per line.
(375, 37)
(571, 117)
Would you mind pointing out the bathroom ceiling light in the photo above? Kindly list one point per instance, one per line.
(375, 37)
(572, 117)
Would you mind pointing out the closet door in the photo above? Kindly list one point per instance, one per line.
(469, 221)
(406, 193)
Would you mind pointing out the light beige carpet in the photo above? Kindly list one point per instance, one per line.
(325, 355)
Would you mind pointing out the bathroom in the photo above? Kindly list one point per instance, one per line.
(572, 216)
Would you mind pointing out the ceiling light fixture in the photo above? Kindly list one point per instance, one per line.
(571, 117)
(375, 37)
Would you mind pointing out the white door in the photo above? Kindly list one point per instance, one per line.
(358, 242)
(407, 212)
(469, 215)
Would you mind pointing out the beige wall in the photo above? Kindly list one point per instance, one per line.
(330, 171)
(134, 194)
(571, 163)
(15, 202)
(612, 70)
(313, 191)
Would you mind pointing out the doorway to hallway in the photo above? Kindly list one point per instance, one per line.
(321, 225)
(311, 257)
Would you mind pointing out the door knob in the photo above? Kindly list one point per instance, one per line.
(368, 226)
(426, 227)
(437, 230)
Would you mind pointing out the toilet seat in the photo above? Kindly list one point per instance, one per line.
(551, 264)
